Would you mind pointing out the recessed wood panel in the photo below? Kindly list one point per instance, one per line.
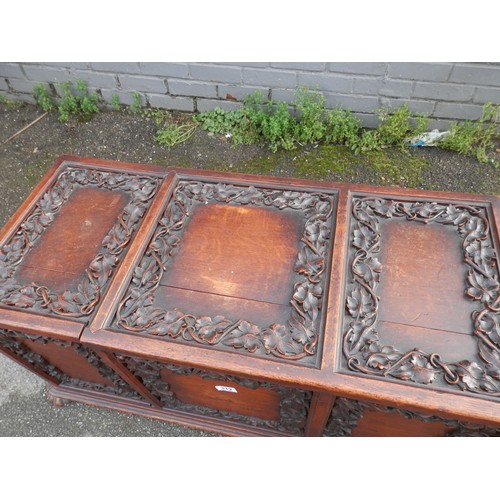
(260, 402)
(70, 243)
(67, 361)
(423, 278)
(238, 251)
(381, 424)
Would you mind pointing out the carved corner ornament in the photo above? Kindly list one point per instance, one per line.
(82, 302)
(363, 350)
(298, 338)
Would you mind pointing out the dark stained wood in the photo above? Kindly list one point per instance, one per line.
(78, 209)
(206, 304)
(423, 277)
(378, 424)
(67, 361)
(26, 364)
(319, 412)
(57, 328)
(238, 251)
(241, 261)
(68, 246)
(260, 402)
(127, 405)
(111, 361)
(453, 346)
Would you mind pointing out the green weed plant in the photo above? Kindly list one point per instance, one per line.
(474, 138)
(73, 101)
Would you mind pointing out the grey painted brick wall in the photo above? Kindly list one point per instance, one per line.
(445, 91)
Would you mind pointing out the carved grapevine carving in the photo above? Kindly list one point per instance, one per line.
(294, 403)
(297, 339)
(362, 348)
(347, 413)
(81, 302)
(13, 342)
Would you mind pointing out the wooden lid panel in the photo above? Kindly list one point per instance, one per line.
(61, 255)
(422, 295)
(266, 248)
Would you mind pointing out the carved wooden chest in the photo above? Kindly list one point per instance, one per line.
(250, 305)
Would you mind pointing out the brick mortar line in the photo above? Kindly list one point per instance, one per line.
(452, 67)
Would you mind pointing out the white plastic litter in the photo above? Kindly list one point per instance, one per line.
(428, 138)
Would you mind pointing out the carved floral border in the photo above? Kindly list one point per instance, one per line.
(81, 302)
(347, 413)
(298, 339)
(362, 348)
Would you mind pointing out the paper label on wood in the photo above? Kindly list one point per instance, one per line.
(225, 388)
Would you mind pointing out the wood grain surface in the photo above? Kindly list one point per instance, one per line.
(237, 251)
(65, 250)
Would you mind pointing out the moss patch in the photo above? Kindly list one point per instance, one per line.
(389, 166)
(396, 168)
(323, 161)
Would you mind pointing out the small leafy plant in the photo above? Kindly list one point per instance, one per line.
(81, 103)
(341, 127)
(136, 105)
(310, 127)
(174, 134)
(395, 126)
(273, 123)
(75, 100)
(474, 138)
(10, 103)
(43, 98)
(115, 102)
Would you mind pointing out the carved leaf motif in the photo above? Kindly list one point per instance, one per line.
(277, 338)
(473, 228)
(355, 329)
(245, 336)
(455, 215)
(24, 297)
(102, 267)
(309, 295)
(363, 237)
(425, 209)
(299, 331)
(369, 269)
(65, 303)
(5, 272)
(359, 302)
(381, 356)
(50, 201)
(134, 212)
(418, 369)
(470, 373)
(492, 360)
(482, 254)
(385, 208)
(209, 329)
(482, 288)
(146, 274)
(489, 323)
